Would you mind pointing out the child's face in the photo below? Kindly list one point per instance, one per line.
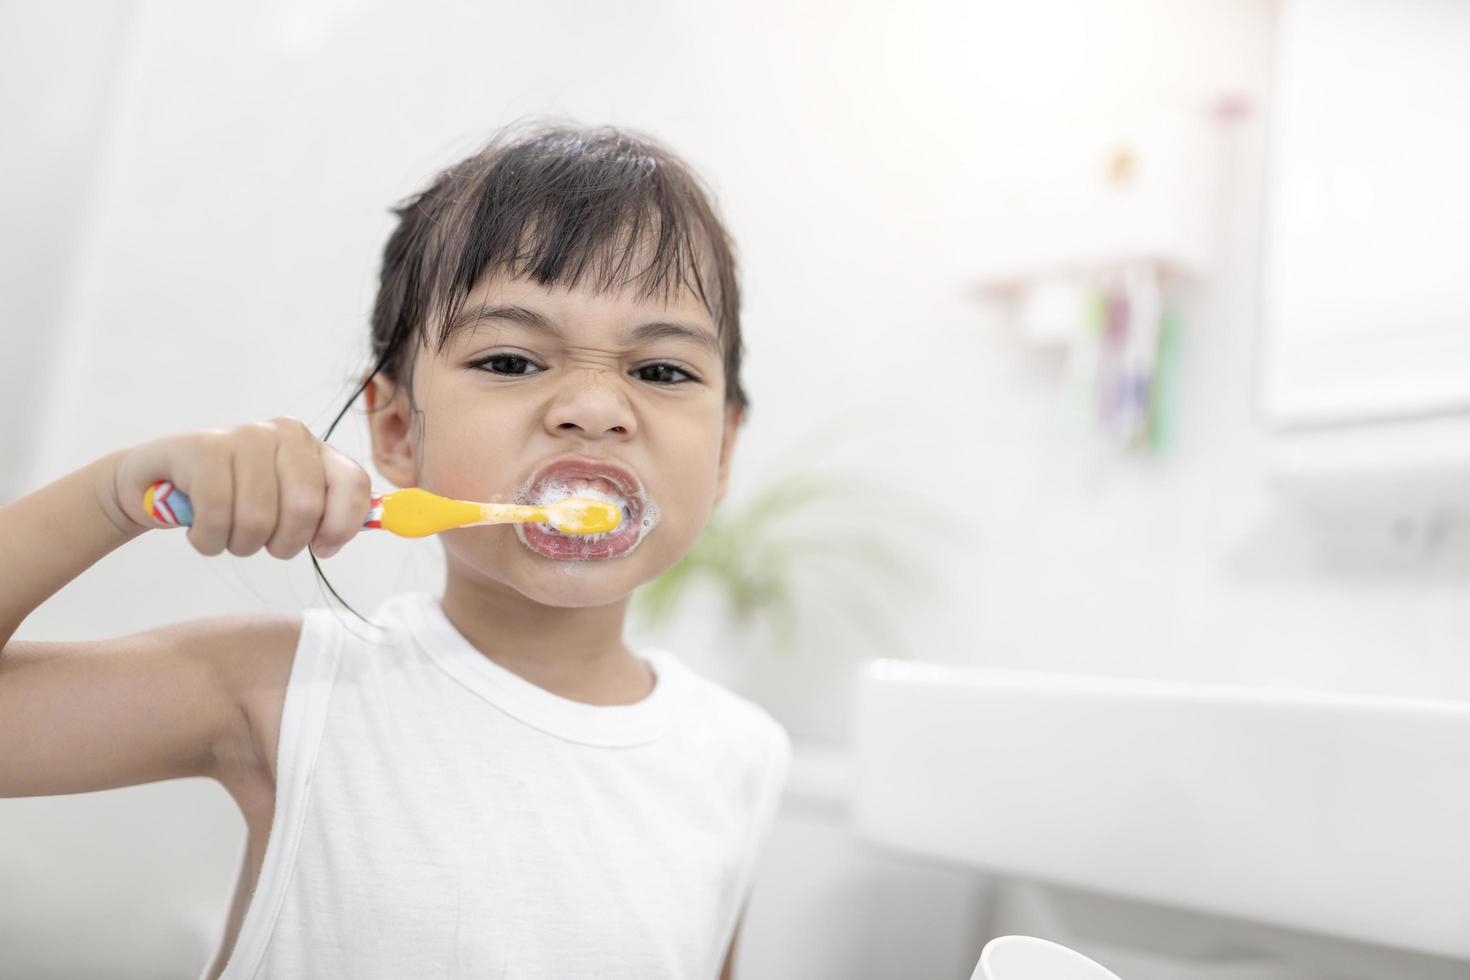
(504, 398)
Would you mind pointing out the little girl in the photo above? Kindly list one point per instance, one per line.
(488, 783)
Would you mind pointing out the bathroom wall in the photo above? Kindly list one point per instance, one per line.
(857, 278)
(873, 160)
(56, 117)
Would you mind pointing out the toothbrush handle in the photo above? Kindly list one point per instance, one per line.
(170, 506)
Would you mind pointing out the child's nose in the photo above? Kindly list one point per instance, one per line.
(591, 402)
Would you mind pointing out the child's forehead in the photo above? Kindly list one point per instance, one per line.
(585, 301)
(580, 315)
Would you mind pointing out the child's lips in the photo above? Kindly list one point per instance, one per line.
(552, 544)
(613, 478)
(606, 477)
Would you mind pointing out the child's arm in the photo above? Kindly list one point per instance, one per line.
(49, 537)
(177, 700)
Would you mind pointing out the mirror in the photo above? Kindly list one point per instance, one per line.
(1366, 293)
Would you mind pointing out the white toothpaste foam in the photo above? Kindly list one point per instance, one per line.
(580, 487)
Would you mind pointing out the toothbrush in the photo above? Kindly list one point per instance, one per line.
(414, 513)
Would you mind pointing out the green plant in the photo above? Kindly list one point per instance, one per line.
(839, 526)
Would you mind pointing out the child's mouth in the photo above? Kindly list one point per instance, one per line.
(574, 479)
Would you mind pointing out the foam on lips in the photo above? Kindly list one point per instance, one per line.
(640, 512)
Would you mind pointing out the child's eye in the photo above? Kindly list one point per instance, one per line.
(664, 367)
(504, 364)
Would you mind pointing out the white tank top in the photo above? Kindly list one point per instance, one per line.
(437, 815)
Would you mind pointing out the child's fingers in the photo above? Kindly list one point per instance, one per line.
(266, 484)
(256, 490)
(211, 489)
(303, 485)
(349, 493)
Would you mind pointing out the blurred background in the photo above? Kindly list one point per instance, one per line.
(1172, 293)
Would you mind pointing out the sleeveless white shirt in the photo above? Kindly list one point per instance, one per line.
(437, 815)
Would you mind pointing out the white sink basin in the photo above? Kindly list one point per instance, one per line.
(1341, 814)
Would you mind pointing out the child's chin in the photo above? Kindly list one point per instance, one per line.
(577, 584)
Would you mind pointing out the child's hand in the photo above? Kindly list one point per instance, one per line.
(266, 483)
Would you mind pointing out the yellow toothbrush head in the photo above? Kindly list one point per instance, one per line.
(583, 515)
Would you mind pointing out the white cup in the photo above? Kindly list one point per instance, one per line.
(1029, 958)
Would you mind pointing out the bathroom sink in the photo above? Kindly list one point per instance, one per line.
(1341, 814)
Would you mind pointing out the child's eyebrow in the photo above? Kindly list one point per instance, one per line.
(470, 318)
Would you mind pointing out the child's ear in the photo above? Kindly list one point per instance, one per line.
(389, 422)
(727, 449)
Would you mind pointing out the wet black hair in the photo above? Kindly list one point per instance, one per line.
(559, 204)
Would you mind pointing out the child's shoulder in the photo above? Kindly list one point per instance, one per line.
(717, 706)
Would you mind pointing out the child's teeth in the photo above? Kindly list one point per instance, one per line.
(597, 490)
